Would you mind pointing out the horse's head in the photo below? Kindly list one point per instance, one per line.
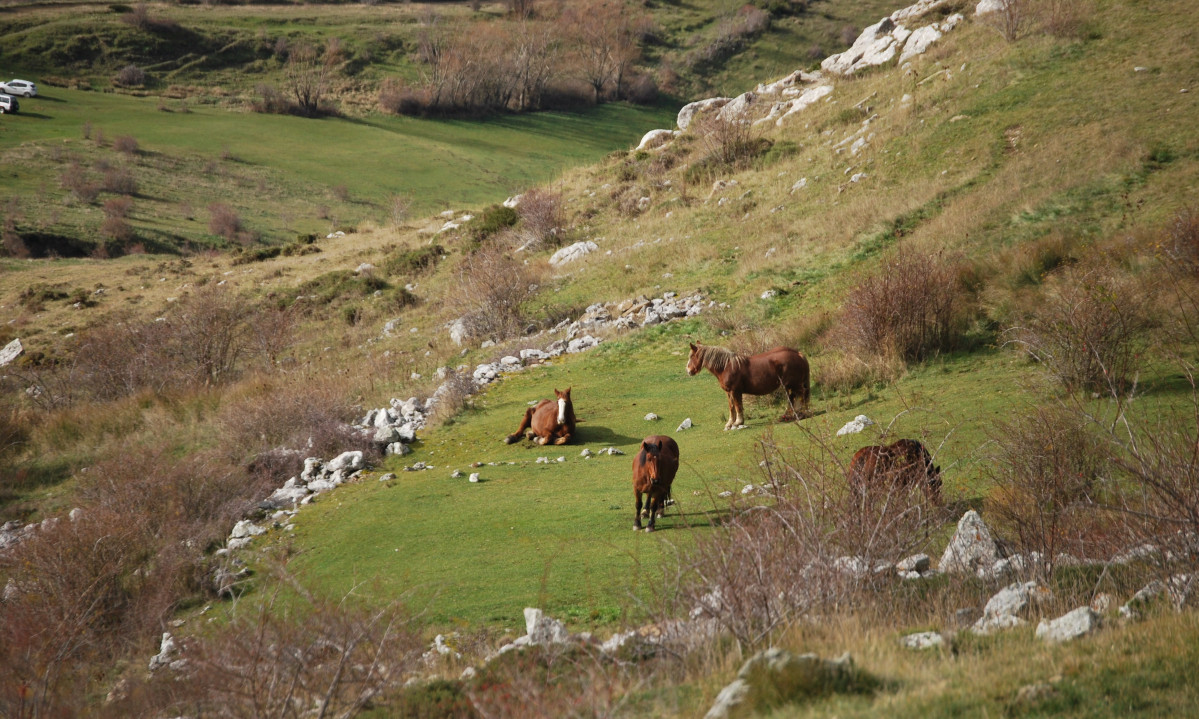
(564, 405)
(693, 362)
(651, 450)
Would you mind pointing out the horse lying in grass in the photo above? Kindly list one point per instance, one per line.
(762, 373)
(903, 463)
(654, 468)
(550, 422)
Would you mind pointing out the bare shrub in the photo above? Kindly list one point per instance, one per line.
(197, 344)
(272, 333)
(1011, 18)
(304, 415)
(1089, 330)
(223, 220)
(541, 216)
(119, 181)
(118, 207)
(74, 589)
(313, 653)
(910, 308)
(1066, 18)
(80, 183)
(130, 76)
(398, 207)
(848, 34)
(1051, 474)
(398, 97)
(814, 548)
(210, 327)
(492, 286)
(555, 682)
(641, 90)
(116, 229)
(127, 144)
(268, 99)
(727, 144)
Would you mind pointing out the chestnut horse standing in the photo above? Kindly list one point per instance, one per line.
(550, 422)
(654, 468)
(900, 464)
(762, 373)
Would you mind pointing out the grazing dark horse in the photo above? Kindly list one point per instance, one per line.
(762, 373)
(552, 421)
(903, 463)
(654, 468)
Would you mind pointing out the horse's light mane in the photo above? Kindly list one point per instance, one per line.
(718, 358)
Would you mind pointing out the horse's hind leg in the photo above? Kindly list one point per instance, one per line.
(740, 416)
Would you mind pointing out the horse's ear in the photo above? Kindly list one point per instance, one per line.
(693, 347)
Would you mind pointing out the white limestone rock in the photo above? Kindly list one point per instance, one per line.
(11, 351)
(689, 111)
(922, 640)
(655, 138)
(971, 548)
(855, 425)
(1069, 626)
(573, 252)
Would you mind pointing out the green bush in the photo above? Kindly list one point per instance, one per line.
(489, 222)
(410, 262)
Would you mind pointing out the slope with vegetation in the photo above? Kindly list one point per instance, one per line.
(1003, 269)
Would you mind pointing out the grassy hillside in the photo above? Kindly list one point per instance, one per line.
(1047, 180)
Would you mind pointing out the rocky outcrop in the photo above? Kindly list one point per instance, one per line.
(570, 253)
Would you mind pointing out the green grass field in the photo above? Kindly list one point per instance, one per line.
(282, 173)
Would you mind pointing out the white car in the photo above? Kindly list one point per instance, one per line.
(24, 88)
(8, 103)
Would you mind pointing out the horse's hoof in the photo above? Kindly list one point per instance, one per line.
(649, 529)
(636, 527)
(510, 440)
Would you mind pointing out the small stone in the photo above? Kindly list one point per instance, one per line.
(922, 640)
(651, 417)
(474, 477)
(686, 424)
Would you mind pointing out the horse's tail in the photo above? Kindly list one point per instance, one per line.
(524, 424)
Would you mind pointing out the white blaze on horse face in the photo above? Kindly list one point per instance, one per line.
(561, 411)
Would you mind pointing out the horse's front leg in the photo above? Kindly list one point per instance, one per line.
(732, 413)
(637, 516)
(655, 506)
(564, 435)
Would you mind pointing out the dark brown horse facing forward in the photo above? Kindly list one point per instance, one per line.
(552, 421)
(763, 373)
(903, 463)
(654, 468)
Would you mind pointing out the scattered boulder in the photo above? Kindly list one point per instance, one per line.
(655, 138)
(1003, 610)
(542, 629)
(651, 417)
(570, 253)
(1069, 626)
(775, 676)
(971, 548)
(11, 351)
(685, 424)
(922, 640)
(855, 425)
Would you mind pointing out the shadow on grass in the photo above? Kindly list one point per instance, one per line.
(596, 434)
